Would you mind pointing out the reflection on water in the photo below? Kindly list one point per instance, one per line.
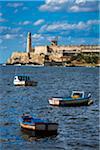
(78, 126)
(36, 135)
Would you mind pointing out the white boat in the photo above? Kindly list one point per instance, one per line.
(20, 80)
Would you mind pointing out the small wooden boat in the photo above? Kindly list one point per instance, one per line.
(38, 125)
(23, 81)
(77, 98)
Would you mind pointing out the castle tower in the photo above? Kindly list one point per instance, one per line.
(29, 42)
(54, 42)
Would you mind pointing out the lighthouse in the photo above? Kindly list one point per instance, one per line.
(29, 42)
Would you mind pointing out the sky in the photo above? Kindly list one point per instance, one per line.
(72, 22)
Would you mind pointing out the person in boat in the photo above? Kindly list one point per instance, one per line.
(26, 118)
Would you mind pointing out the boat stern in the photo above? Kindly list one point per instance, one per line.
(54, 101)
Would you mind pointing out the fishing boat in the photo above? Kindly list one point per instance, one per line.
(22, 80)
(77, 98)
(30, 123)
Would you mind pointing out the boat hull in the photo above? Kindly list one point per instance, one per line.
(75, 102)
(25, 83)
(37, 124)
(48, 127)
(39, 134)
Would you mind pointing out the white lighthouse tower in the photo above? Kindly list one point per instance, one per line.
(29, 42)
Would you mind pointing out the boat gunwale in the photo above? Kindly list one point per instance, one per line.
(71, 99)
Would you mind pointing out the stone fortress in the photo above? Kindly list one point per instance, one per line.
(53, 53)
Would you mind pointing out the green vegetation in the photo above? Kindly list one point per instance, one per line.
(92, 58)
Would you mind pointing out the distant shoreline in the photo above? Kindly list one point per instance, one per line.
(71, 65)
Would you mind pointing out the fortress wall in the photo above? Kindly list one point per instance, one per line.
(66, 48)
(36, 58)
(90, 51)
(70, 48)
(83, 48)
(40, 50)
(18, 57)
(90, 48)
(25, 58)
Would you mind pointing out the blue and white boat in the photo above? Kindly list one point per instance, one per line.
(77, 98)
(37, 124)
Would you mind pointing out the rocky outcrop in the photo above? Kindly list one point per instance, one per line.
(18, 57)
(25, 58)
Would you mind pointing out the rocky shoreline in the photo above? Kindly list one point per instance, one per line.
(32, 59)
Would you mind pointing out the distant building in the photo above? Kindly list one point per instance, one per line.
(51, 53)
(60, 50)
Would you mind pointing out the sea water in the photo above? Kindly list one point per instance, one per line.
(78, 126)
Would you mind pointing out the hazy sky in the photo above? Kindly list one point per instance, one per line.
(72, 21)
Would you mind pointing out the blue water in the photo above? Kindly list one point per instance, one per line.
(78, 126)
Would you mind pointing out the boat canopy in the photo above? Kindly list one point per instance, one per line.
(77, 94)
(22, 78)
